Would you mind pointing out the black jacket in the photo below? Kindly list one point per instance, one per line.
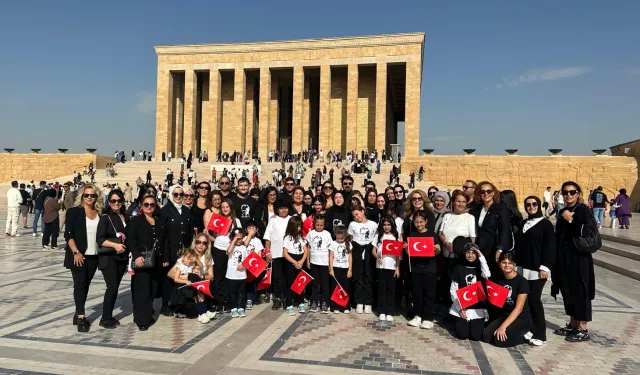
(108, 226)
(75, 225)
(178, 231)
(536, 247)
(495, 232)
(140, 236)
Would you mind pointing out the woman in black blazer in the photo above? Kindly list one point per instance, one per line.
(178, 227)
(111, 236)
(146, 233)
(492, 223)
(81, 251)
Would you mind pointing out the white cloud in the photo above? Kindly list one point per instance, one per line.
(542, 75)
(146, 102)
(634, 72)
(445, 138)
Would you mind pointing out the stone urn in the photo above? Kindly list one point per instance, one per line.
(36, 150)
(511, 151)
(9, 150)
(555, 151)
(63, 150)
(469, 151)
(91, 150)
(599, 151)
(428, 151)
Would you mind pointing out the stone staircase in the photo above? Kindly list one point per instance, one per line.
(620, 251)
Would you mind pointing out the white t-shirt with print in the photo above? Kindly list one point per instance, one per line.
(255, 245)
(388, 261)
(275, 233)
(235, 258)
(295, 247)
(363, 233)
(319, 247)
(340, 255)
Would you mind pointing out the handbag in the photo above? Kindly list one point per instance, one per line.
(118, 240)
(589, 240)
(149, 259)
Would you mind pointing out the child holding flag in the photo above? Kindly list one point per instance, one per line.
(363, 232)
(253, 243)
(295, 251)
(340, 264)
(236, 275)
(388, 266)
(185, 272)
(318, 262)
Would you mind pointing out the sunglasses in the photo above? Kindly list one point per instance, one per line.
(93, 196)
(488, 191)
(398, 192)
(532, 204)
(467, 187)
(416, 198)
(178, 195)
(204, 188)
(431, 193)
(198, 242)
(224, 183)
(189, 196)
(327, 188)
(289, 183)
(149, 205)
(569, 192)
(347, 183)
(116, 201)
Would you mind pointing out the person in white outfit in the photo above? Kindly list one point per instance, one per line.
(14, 198)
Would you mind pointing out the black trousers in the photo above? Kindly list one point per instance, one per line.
(144, 284)
(386, 291)
(51, 231)
(112, 273)
(236, 290)
(443, 296)
(290, 273)
(471, 329)
(515, 332)
(220, 292)
(424, 294)
(277, 278)
(82, 277)
(539, 324)
(166, 285)
(320, 284)
(341, 276)
(362, 274)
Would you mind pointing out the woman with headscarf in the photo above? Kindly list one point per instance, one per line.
(338, 214)
(178, 234)
(189, 198)
(440, 201)
(371, 210)
(623, 212)
(535, 254)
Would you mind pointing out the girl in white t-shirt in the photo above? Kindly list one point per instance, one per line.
(252, 243)
(318, 261)
(388, 269)
(340, 264)
(363, 232)
(185, 272)
(295, 251)
(273, 240)
(236, 275)
(220, 245)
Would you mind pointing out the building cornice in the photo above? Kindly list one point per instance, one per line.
(294, 45)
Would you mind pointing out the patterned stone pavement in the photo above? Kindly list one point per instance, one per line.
(36, 335)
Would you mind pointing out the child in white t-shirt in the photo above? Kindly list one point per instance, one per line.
(253, 244)
(236, 275)
(295, 250)
(388, 269)
(185, 272)
(318, 261)
(340, 264)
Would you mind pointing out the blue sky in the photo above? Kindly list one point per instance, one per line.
(526, 75)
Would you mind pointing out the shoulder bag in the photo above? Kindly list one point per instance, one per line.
(589, 240)
(148, 255)
(118, 240)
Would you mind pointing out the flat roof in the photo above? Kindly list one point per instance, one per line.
(626, 143)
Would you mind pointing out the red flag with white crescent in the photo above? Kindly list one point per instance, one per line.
(468, 296)
(390, 247)
(219, 224)
(203, 286)
(254, 264)
(266, 280)
(340, 296)
(496, 294)
(301, 282)
(421, 247)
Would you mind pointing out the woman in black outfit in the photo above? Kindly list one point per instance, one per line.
(535, 254)
(113, 264)
(146, 233)
(135, 208)
(338, 214)
(370, 206)
(492, 224)
(509, 199)
(81, 252)
(201, 204)
(178, 234)
(573, 273)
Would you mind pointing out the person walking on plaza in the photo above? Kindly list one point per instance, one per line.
(547, 205)
(598, 201)
(14, 199)
(51, 219)
(623, 212)
(24, 206)
(38, 199)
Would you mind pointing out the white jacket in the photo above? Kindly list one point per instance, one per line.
(14, 198)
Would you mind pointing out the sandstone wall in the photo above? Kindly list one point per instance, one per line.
(528, 175)
(36, 167)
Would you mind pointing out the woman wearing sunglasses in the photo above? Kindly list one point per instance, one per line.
(113, 254)
(202, 204)
(493, 227)
(573, 273)
(535, 254)
(178, 233)
(81, 252)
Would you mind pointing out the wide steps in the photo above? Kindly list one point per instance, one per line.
(616, 263)
(621, 249)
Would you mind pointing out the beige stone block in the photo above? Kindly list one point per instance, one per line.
(412, 109)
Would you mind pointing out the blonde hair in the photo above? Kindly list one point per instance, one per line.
(408, 207)
(97, 205)
(208, 258)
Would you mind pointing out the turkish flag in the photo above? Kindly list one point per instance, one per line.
(219, 224)
(390, 247)
(421, 247)
(203, 286)
(301, 281)
(496, 294)
(481, 295)
(468, 296)
(266, 280)
(339, 296)
(254, 264)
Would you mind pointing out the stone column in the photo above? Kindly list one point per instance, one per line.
(211, 127)
(274, 118)
(306, 112)
(249, 119)
(352, 108)
(325, 105)
(412, 109)
(239, 88)
(297, 135)
(190, 97)
(263, 119)
(179, 119)
(164, 105)
(381, 107)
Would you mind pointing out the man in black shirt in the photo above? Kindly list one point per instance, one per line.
(347, 188)
(38, 203)
(224, 184)
(246, 207)
(287, 190)
(599, 202)
(24, 206)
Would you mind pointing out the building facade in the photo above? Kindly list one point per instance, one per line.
(337, 94)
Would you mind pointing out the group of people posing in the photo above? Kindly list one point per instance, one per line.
(336, 235)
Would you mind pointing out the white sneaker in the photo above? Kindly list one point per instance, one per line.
(389, 318)
(426, 325)
(17, 235)
(347, 311)
(41, 234)
(367, 309)
(359, 309)
(415, 322)
(204, 319)
(536, 342)
(35, 234)
(336, 311)
(210, 314)
(382, 317)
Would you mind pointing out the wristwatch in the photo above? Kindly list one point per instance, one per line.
(75, 252)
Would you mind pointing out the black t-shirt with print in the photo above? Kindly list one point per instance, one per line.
(599, 199)
(517, 285)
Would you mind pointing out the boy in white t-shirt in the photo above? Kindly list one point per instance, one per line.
(319, 241)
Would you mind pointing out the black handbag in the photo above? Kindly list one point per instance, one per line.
(589, 240)
(148, 256)
(118, 240)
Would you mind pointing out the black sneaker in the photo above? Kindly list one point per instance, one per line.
(166, 311)
(75, 319)
(313, 308)
(324, 309)
(564, 331)
(108, 323)
(83, 325)
(277, 304)
(579, 335)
